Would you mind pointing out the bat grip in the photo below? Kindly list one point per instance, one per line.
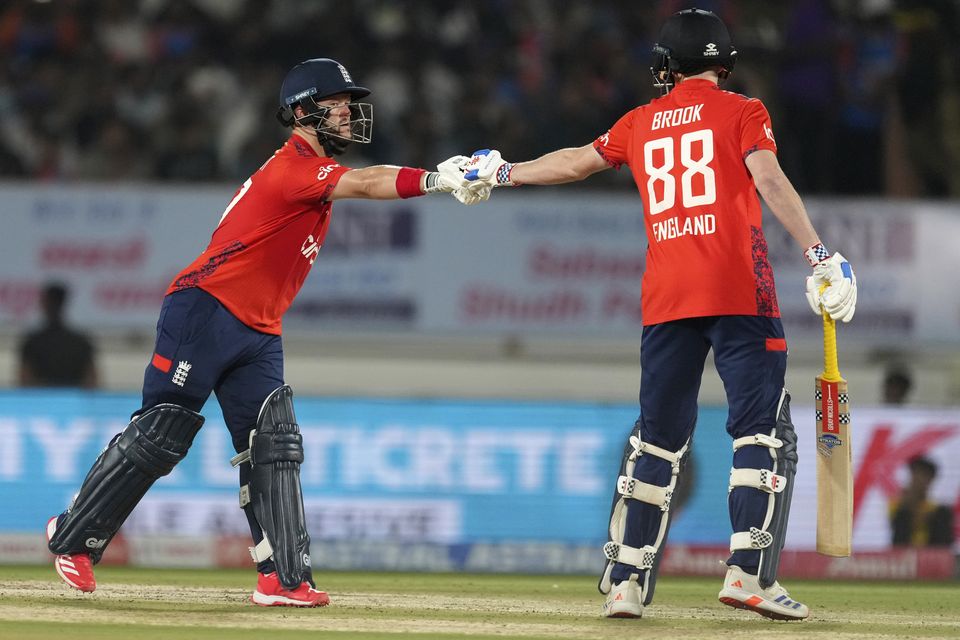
(831, 367)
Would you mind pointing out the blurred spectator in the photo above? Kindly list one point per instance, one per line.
(867, 63)
(897, 384)
(56, 355)
(113, 156)
(914, 519)
(118, 90)
(928, 32)
(807, 77)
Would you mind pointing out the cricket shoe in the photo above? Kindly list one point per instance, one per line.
(742, 590)
(624, 601)
(270, 593)
(73, 568)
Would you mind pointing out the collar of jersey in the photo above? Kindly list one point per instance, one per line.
(696, 83)
(303, 142)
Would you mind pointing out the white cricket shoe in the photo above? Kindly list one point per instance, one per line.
(624, 601)
(743, 591)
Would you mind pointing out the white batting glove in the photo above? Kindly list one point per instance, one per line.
(487, 167)
(436, 182)
(451, 171)
(468, 196)
(448, 177)
(839, 299)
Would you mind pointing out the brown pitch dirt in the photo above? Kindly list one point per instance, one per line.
(152, 605)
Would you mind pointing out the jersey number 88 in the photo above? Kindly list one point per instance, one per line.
(693, 167)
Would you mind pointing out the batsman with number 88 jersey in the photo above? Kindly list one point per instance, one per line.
(699, 155)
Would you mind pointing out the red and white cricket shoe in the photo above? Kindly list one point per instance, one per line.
(270, 593)
(742, 590)
(625, 600)
(73, 568)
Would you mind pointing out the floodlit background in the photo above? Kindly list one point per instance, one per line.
(465, 377)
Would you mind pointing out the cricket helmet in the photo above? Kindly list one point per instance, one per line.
(690, 41)
(311, 82)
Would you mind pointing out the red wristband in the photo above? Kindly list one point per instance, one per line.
(408, 182)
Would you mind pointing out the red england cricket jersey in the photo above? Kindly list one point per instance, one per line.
(268, 237)
(706, 253)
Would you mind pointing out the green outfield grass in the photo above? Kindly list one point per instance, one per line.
(149, 604)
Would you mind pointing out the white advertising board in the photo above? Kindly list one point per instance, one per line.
(562, 261)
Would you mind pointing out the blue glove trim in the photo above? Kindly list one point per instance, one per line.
(473, 173)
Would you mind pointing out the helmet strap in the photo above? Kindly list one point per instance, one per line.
(332, 146)
(314, 118)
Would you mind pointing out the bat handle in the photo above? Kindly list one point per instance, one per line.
(831, 367)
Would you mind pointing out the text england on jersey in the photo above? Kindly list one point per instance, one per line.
(701, 225)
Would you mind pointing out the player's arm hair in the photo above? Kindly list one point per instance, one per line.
(781, 197)
(558, 167)
(378, 182)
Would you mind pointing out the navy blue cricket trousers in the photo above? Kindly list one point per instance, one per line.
(751, 357)
(202, 348)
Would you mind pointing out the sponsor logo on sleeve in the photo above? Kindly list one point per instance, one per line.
(769, 132)
(326, 170)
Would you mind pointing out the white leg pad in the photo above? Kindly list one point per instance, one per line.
(763, 479)
(630, 488)
(760, 440)
(753, 539)
(777, 484)
(641, 558)
(650, 493)
(263, 550)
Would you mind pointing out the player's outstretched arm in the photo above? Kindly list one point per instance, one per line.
(487, 167)
(839, 299)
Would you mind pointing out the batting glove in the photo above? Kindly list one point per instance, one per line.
(839, 298)
(487, 167)
(451, 173)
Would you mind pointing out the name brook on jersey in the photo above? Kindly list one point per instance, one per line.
(674, 117)
(702, 225)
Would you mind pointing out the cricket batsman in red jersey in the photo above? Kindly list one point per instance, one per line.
(699, 155)
(219, 331)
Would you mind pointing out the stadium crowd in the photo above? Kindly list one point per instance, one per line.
(864, 94)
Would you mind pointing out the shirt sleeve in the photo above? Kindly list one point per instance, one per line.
(756, 132)
(613, 145)
(312, 181)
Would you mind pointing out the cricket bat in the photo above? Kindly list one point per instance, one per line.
(834, 462)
